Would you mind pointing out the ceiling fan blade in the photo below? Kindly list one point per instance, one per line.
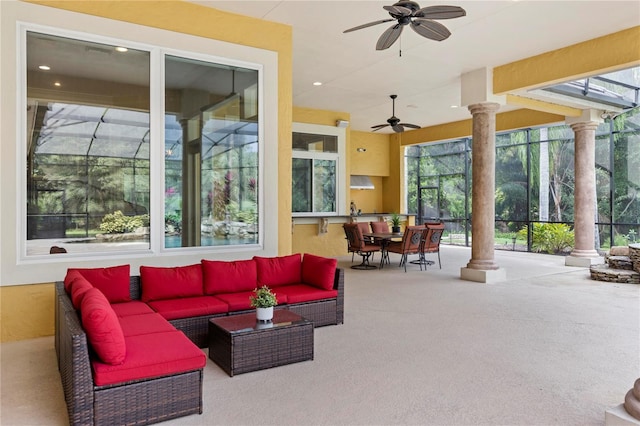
(430, 29)
(440, 12)
(397, 10)
(389, 37)
(378, 127)
(411, 126)
(398, 128)
(370, 24)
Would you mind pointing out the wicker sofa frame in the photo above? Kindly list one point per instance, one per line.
(153, 400)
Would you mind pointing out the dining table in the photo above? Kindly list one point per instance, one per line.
(384, 238)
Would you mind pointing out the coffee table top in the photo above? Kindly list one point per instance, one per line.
(246, 323)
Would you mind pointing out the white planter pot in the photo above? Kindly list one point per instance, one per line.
(264, 314)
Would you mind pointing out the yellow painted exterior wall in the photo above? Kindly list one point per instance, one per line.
(307, 240)
(26, 311)
(597, 56)
(370, 200)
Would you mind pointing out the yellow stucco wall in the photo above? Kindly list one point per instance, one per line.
(26, 311)
(597, 56)
(307, 240)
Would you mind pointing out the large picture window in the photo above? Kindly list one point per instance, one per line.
(90, 144)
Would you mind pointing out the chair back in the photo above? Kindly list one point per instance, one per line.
(354, 236)
(412, 238)
(364, 228)
(433, 237)
(379, 227)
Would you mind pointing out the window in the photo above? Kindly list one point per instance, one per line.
(211, 154)
(87, 145)
(317, 173)
(90, 141)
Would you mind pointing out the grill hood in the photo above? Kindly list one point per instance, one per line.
(361, 182)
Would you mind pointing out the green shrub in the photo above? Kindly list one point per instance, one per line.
(550, 238)
(118, 223)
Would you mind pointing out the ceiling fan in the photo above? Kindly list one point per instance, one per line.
(420, 20)
(394, 121)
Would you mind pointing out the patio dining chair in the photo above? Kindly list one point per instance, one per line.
(431, 242)
(380, 227)
(358, 245)
(410, 244)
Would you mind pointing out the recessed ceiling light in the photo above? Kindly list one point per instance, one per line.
(454, 106)
(121, 49)
(44, 67)
(317, 83)
(57, 83)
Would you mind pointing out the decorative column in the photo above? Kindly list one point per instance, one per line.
(482, 266)
(584, 204)
(627, 413)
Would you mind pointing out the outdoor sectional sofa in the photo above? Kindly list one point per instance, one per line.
(128, 347)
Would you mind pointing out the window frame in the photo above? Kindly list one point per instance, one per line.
(157, 55)
(341, 179)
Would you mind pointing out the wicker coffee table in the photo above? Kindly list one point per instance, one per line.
(238, 344)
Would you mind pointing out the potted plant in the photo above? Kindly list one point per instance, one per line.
(395, 223)
(263, 299)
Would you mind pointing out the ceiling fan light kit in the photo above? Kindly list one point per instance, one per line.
(421, 20)
(393, 121)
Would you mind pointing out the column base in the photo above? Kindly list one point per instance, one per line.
(618, 416)
(583, 262)
(483, 276)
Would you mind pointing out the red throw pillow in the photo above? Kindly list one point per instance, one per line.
(319, 271)
(72, 274)
(102, 327)
(170, 283)
(229, 277)
(273, 271)
(79, 288)
(113, 282)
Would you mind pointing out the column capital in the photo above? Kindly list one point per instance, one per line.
(584, 125)
(484, 107)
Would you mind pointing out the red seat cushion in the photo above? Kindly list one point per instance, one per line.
(135, 325)
(229, 277)
(135, 307)
(281, 270)
(189, 307)
(319, 271)
(170, 283)
(299, 293)
(240, 301)
(151, 355)
(79, 287)
(113, 282)
(102, 327)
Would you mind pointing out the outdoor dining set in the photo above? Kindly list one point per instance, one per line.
(367, 238)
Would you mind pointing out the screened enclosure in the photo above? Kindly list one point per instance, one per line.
(534, 183)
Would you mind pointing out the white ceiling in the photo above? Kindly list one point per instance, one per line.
(358, 80)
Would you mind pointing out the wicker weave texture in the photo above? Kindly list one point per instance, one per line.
(238, 353)
(150, 401)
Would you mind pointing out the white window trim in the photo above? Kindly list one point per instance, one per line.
(268, 229)
(341, 173)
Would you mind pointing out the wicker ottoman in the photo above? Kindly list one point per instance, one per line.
(238, 344)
